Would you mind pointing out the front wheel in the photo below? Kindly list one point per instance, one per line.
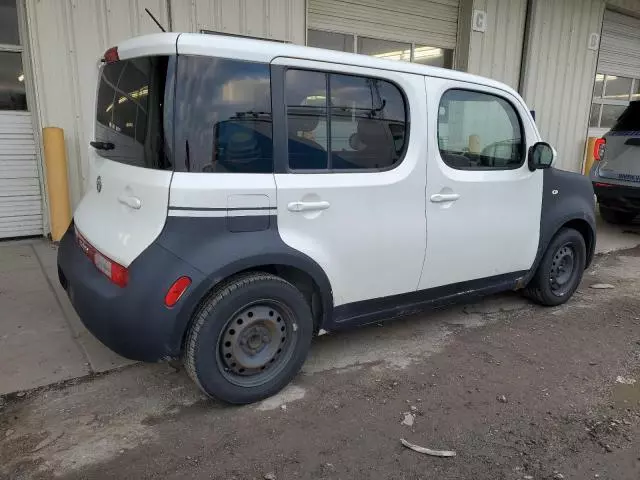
(249, 338)
(560, 270)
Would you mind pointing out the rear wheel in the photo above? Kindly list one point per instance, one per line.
(249, 338)
(560, 269)
(616, 216)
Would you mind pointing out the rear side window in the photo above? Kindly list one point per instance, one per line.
(343, 122)
(629, 121)
(479, 131)
(133, 111)
(223, 116)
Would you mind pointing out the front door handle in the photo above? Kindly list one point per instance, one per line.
(307, 206)
(444, 197)
(132, 202)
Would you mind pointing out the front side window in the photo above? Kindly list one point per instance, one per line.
(479, 131)
(343, 122)
(223, 116)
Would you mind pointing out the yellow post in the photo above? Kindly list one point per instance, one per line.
(588, 159)
(55, 159)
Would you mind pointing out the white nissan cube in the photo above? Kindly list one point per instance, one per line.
(245, 195)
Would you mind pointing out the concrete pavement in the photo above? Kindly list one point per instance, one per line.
(42, 340)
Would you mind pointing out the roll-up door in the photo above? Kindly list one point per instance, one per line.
(433, 23)
(20, 195)
(620, 45)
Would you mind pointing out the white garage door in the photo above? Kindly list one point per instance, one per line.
(20, 198)
(620, 45)
(422, 31)
(617, 79)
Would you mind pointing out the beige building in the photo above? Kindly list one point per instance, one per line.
(575, 62)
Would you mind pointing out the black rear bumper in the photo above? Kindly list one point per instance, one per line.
(132, 321)
(618, 197)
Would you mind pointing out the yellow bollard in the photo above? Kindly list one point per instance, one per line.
(55, 159)
(588, 159)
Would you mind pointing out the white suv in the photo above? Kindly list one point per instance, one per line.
(246, 194)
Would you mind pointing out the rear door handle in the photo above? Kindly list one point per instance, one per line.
(132, 202)
(444, 197)
(307, 206)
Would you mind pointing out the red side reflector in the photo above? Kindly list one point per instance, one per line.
(598, 148)
(111, 55)
(604, 185)
(176, 291)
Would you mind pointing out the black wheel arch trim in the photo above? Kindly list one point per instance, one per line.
(208, 246)
(567, 200)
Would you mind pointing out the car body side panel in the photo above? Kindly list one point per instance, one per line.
(218, 250)
(566, 197)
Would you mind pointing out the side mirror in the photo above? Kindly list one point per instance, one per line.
(541, 155)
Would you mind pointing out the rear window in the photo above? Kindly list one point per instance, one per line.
(223, 116)
(629, 121)
(133, 111)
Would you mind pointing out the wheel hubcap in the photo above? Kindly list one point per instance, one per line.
(254, 342)
(562, 269)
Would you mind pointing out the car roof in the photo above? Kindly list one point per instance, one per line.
(255, 50)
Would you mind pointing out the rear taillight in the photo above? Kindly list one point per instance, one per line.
(598, 148)
(111, 55)
(112, 270)
(176, 291)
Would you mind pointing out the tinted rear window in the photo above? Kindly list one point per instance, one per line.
(134, 111)
(629, 121)
(223, 116)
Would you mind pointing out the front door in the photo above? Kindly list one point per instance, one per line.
(350, 184)
(483, 202)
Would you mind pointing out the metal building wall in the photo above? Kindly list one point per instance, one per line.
(67, 37)
(559, 73)
(276, 19)
(497, 52)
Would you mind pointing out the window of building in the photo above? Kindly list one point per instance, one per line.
(611, 94)
(223, 116)
(343, 122)
(479, 131)
(331, 41)
(12, 88)
(388, 49)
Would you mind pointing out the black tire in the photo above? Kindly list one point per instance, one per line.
(552, 283)
(228, 364)
(616, 217)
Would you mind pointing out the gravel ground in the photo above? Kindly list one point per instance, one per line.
(517, 391)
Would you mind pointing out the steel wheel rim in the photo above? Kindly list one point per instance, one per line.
(563, 268)
(256, 343)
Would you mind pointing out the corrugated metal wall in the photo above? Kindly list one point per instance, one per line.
(559, 73)
(277, 19)
(497, 52)
(431, 22)
(67, 38)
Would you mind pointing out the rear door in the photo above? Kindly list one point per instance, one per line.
(350, 192)
(622, 153)
(125, 205)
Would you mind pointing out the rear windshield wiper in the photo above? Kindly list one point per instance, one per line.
(102, 145)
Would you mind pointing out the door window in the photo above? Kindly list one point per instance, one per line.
(343, 122)
(479, 131)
